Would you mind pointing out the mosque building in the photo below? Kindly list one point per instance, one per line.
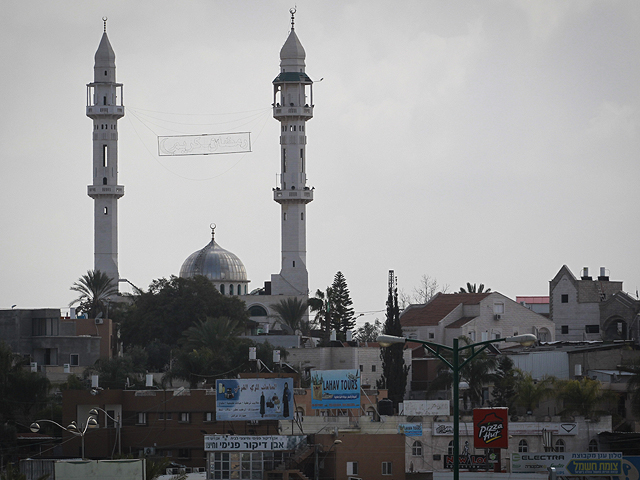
(292, 107)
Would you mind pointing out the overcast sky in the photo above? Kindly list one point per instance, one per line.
(471, 141)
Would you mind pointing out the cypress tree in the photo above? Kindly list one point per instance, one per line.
(394, 371)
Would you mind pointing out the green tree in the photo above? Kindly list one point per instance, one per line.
(531, 392)
(369, 331)
(473, 289)
(171, 306)
(291, 312)
(117, 372)
(212, 333)
(394, 371)
(504, 387)
(583, 397)
(342, 316)
(95, 289)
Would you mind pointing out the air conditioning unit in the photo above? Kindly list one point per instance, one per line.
(34, 367)
(67, 368)
(497, 316)
(149, 451)
(99, 321)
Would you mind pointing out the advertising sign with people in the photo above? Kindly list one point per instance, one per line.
(335, 389)
(254, 399)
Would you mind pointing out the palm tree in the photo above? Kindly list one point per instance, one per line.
(94, 288)
(474, 289)
(211, 333)
(582, 397)
(478, 373)
(322, 305)
(291, 312)
(531, 392)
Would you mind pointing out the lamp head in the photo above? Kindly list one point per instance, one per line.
(93, 412)
(526, 340)
(388, 340)
(72, 427)
(34, 427)
(92, 422)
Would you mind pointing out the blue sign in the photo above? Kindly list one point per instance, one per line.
(254, 399)
(410, 429)
(335, 389)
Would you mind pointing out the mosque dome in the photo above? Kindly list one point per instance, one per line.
(222, 267)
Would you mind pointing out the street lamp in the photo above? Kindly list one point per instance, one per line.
(317, 459)
(94, 412)
(455, 365)
(71, 428)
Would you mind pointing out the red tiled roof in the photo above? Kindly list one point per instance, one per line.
(460, 322)
(437, 308)
(534, 299)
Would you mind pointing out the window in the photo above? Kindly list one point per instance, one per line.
(142, 418)
(362, 368)
(564, 329)
(301, 215)
(185, 417)
(432, 335)
(105, 210)
(564, 298)
(111, 414)
(222, 289)
(352, 468)
(74, 359)
(257, 311)
(498, 308)
(450, 448)
(231, 289)
(104, 180)
(104, 155)
(373, 368)
(592, 328)
(485, 336)
(523, 447)
(284, 216)
(560, 445)
(472, 335)
(184, 453)
(386, 468)
(44, 327)
(593, 445)
(544, 335)
(416, 449)
(294, 264)
(210, 416)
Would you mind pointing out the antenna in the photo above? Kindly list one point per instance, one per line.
(293, 13)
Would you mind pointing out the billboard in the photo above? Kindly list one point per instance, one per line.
(254, 399)
(335, 389)
(569, 463)
(490, 427)
(410, 429)
(207, 144)
(423, 408)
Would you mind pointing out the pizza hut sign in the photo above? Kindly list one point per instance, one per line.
(490, 427)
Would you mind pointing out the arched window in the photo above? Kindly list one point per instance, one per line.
(104, 180)
(593, 445)
(416, 449)
(450, 448)
(560, 445)
(239, 290)
(523, 446)
(222, 288)
(257, 311)
(544, 335)
(231, 289)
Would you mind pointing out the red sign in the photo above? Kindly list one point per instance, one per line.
(490, 427)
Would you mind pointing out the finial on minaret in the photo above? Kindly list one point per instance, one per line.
(293, 19)
(104, 19)
(213, 231)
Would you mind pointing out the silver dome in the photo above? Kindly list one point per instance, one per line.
(215, 263)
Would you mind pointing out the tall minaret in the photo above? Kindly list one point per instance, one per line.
(292, 107)
(105, 107)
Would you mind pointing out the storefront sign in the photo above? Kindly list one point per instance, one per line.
(335, 389)
(251, 443)
(467, 462)
(446, 428)
(410, 429)
(568, 464)
(490, 427)
(254, 399)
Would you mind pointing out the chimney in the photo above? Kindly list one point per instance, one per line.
(603, 275)
(585, 274)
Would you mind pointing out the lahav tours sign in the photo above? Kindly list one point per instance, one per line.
(490, 427)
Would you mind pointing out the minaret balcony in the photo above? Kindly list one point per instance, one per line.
(94, 111)
(95, 191)
(280, 112)
(294, 196)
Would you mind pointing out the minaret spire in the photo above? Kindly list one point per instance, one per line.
(105, 108)
(292, 107)
(293, 18)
